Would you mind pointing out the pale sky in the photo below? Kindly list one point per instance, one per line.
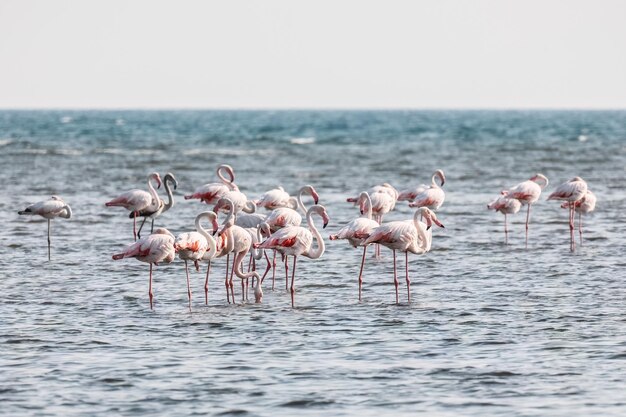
(313, 54)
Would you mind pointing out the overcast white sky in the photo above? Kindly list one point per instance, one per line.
(314, 54)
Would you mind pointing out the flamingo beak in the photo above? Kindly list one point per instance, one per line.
(438, 223)
(316, 198)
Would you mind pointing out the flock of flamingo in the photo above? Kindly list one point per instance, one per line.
(243, 231)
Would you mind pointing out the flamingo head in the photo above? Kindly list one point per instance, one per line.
(155, 176)
(430, 217)
(321, 211)
(439, 173)
(540, 179)
(265, 229)
(310, 190)
(163, 231)
(362, 201)
(171, 178)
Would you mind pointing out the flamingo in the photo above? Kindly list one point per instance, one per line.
(192, 246)
(274, 198)
(152, 249)
(358, 230)
(505, 205)
(210, 193)
(296, 241)
(139, 200)
(406, 236)
(383, 198)
(528, 193)
(48, 209)
(433, 196)
(218, 248)
(289, 216)
(241, 244)
(430, 196)
(570, 191)
(253, 223)
(163, 206)
(585, 205)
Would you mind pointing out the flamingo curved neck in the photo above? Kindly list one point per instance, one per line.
(231, 174)
(68, 212)
(212, 243)
(315, 252)
(156, 201)
(368, 207)
(299, 203)
(421, 233)
(170, 195)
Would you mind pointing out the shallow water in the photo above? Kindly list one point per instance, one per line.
(491, 329)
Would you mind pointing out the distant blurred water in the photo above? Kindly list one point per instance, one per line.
(492, 330)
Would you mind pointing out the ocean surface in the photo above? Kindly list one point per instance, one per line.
(492, 330)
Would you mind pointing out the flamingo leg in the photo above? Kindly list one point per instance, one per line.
(293, 276)
(188, 286)
(286, 273)
(274, 271)
(395, 276)
(527, 221)
(48, 239)
(141, 227)
(571, 227)
(206, 285)
(580, 227)
(267, 268)
(232, 286)
(379, 220)
(150, 294)
(152, 227)
(408, 280)
(135, 226)
(250, 262)
(361, 272)
(226, 279)
(506, 231)
(244, 288)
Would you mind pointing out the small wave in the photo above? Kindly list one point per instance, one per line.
(5, 142)
(66, 119)
(120, 122)
(113, 151)
(583, 138)
(231, 152)
(302, 141)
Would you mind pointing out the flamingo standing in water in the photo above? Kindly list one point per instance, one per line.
(274, 198)
(192, 246)
(528, 193)
(505, 205)
(570, 191)
(406, 236)
(153, 249)
(289, 216)
(48, 209)
(241, 244)
(296, 241)
(585, 205)
(358, 230)
(163, 206)
(139, 200)
(383, 198)
(218, 247)
(210, 193)
(426, 196)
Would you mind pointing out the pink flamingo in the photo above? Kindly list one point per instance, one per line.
(210, 193)
(358, 230)
(48, 209)
(155, 248)
(139, 200)
(585, 205)
(383, 198)
(218, 247)
(163, 206)
(193, 246)
(406, 236)
(426, 196)
(289, 216)
(570, 191)
(528, 193)
(505, 205)
(274, 198)
(298, 241)
(241, 244)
